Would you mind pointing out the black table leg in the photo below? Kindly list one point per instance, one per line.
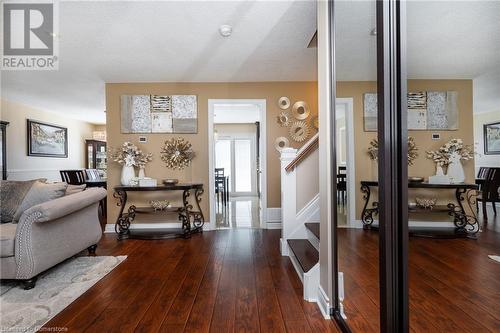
(465, 223)
(368, 213)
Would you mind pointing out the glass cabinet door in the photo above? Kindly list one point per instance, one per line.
(90, 156)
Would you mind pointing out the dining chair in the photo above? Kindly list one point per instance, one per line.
(220, 185)
(489, 190)
(92, 174)
(482, 172)
(342, 184)
(73, 177)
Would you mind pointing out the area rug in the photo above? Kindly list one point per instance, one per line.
(27, 310)
(496, 258)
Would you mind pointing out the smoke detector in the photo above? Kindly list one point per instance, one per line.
(225, 30)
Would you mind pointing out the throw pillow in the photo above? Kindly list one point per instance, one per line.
(72, 189)
(12, 193)
(40, 193)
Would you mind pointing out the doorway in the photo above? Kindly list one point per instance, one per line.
(236, 163)
(346, 195)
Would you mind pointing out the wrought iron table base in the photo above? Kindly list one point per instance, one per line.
(465, 224)
(192, 221)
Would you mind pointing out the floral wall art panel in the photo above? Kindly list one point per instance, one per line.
(431, 110)
(185, 113)
(159, 114)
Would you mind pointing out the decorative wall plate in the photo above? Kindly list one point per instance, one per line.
(281, 142)
(284, 119)
(300, 110)
(299, 131)
(315, 122)
(177, 153)
(284, 103)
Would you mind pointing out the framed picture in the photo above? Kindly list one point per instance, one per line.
(492, 138)
(47, 140)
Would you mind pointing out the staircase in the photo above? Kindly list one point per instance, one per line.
(300, 227)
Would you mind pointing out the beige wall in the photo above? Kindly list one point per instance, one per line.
(20, 165)
(422, 167)
(271, 91)
(479, 120)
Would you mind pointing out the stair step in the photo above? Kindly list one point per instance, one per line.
(314, 228)
(304, 251)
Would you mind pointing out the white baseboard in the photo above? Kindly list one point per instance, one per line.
(273, 225)
(323, 303)
(284, 247)
(310, 212)
(110, 227)
(273, 220)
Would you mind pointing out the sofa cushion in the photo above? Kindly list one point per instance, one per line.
(7, 237)
(40, 193)
(12, 194)
(72, 189)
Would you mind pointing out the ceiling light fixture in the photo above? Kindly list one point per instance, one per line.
(225, 30)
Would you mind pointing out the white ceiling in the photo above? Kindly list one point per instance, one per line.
(175, 41)
(446, 40)
(172, 41)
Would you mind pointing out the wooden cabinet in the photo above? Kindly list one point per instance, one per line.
(96, 156)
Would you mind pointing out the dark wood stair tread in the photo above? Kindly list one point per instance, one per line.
(313, 227)
(305, 252)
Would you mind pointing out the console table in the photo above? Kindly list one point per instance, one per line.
(466, 223)
(192, 219)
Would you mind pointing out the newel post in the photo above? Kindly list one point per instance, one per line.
(288, 197)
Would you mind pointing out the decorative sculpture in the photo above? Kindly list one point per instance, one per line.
(299, 131)
(177, 153)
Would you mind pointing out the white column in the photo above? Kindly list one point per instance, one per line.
(288, 197)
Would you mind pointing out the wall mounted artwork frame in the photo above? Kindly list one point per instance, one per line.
(46, 140)
(150, 114)
(491, 134)
(427, 110)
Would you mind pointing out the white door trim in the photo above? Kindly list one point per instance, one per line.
(261, 103)
(351, 182)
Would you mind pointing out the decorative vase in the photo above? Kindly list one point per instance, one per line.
(128, 173)
(439, 170)
(455, 169)
(142, 172)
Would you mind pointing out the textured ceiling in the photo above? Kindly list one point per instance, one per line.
(178, 41)
(446, 40)
(167, 41)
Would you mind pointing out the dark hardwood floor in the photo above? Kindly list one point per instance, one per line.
(220, 281)
(454, 286)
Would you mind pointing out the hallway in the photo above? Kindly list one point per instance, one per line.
(240, 212)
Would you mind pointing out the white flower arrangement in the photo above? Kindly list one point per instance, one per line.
(130, 155)
(442, 156)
